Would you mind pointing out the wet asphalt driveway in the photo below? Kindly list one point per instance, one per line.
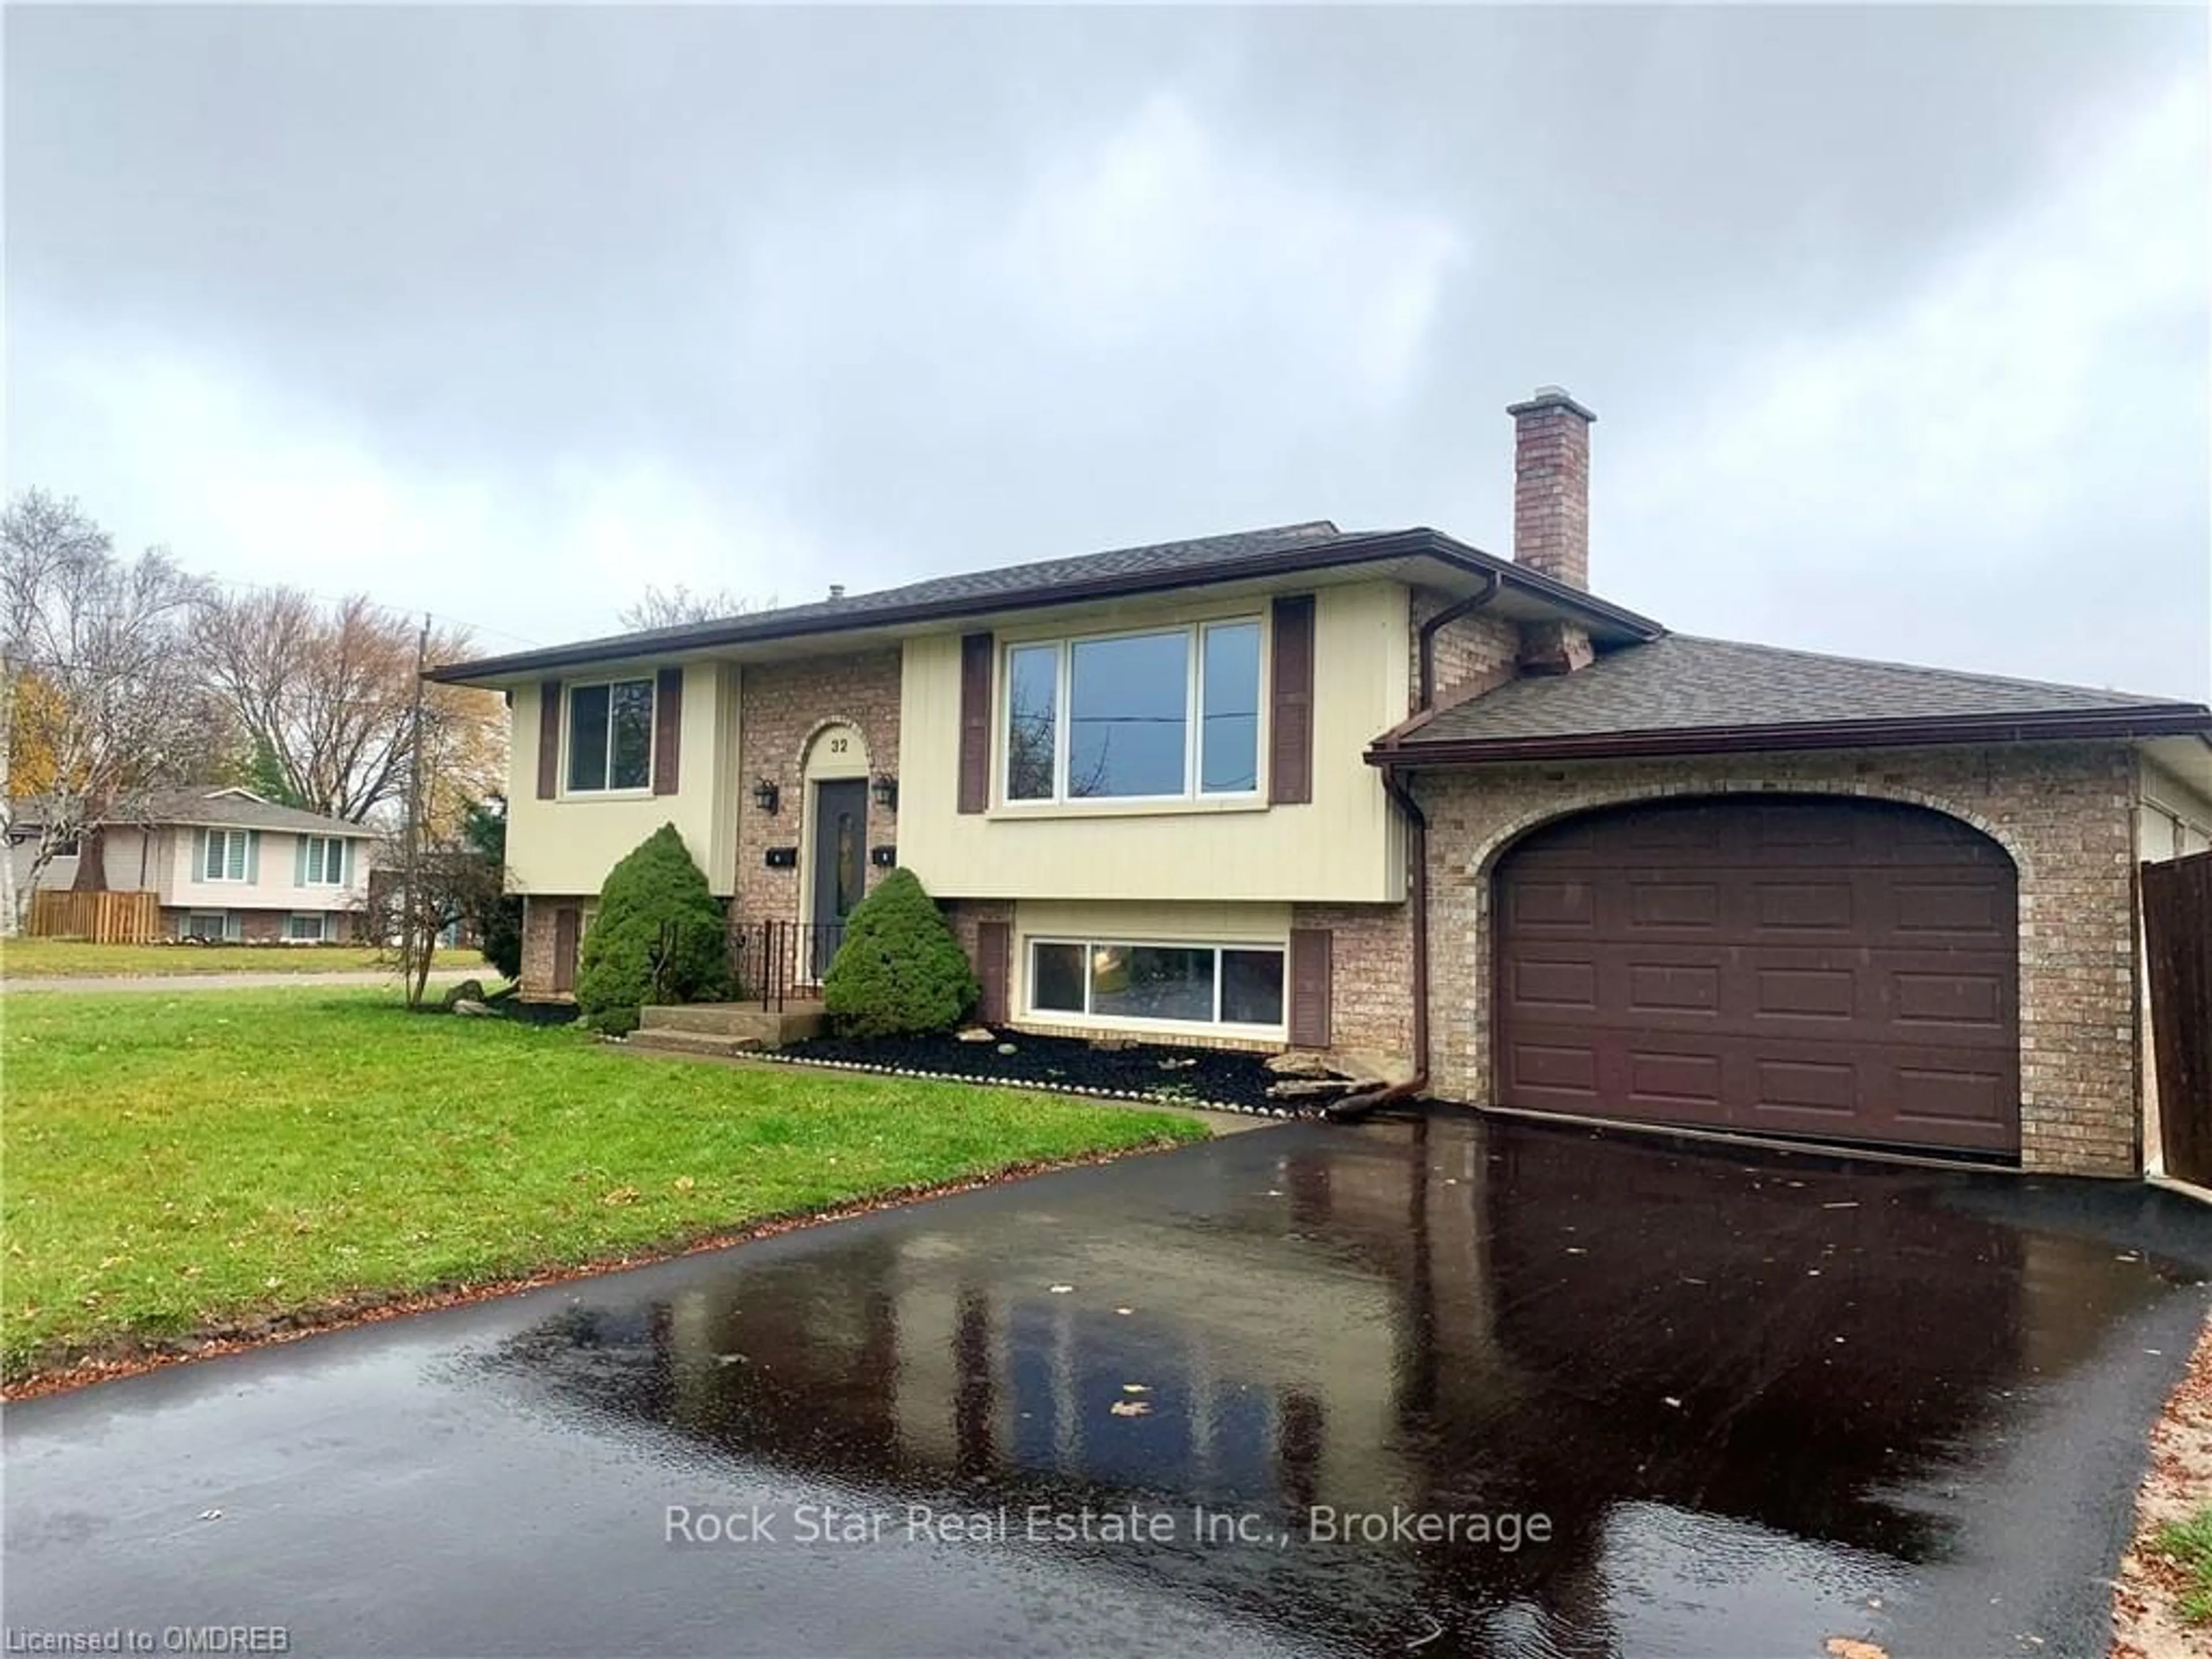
(1671, 1400)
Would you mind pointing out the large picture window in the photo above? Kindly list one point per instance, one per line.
(611, 737)
(1183, 984)
(1165, 714)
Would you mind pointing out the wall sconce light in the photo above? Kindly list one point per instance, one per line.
(765, 796)
(885, 788)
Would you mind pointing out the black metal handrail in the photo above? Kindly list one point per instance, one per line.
(773, 963)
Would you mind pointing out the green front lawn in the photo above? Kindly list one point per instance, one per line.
(177, 1163)
(53, 958)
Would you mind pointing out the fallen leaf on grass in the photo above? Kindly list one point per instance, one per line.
(683, 1183)
(620, 1195)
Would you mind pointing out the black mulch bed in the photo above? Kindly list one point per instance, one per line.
(1185, 1077)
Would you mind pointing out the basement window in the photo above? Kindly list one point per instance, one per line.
(1237, 987)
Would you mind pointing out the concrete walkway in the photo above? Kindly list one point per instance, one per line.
(167, 983)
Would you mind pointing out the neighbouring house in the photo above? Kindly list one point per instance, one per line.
(1380, 790)
(224, 864)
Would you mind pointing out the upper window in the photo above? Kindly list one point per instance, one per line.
(324, 863)
(610, 736)
(225, 855)
(1160, 715)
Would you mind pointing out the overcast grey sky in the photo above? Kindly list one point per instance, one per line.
(1895, 320)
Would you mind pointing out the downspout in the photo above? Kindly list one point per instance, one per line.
(1416, 854)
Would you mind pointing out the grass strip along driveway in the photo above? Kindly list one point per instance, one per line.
(187, 1164)
(65, 958)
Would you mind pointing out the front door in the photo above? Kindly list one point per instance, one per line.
(840, 867)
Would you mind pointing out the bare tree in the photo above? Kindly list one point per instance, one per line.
(98, 701)
(455, 881)
(326, 697)
(672, 607)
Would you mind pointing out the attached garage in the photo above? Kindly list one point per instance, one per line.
(1841, 969)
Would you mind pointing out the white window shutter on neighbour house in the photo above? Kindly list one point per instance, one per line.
(199, 855)
(252, 858)
(300, 844)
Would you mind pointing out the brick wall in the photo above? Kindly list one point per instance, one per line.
(1371, 965)
(781, 706)
(1472, 654)
(2061, 811)
(537, 910)
(964, 915)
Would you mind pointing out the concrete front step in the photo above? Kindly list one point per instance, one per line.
(762, 1027)
(694, 1042)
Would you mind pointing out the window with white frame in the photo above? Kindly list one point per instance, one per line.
(1164, 715)
(323, 864)
(226, 857)
(1227, 985)
(207, 924)
(611, 737)
(305, 929)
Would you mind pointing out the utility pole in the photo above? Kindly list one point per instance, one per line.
(410, 900)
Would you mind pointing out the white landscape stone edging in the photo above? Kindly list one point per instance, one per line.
(782, 1057)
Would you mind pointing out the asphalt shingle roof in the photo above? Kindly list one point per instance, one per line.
(213, 806)
(1683, 683)
(1157, 565)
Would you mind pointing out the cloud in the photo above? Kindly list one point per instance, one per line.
(1163, 229)
(511, 311)
(2048, 376)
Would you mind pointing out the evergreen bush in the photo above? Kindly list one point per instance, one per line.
(900, 972)
(660, 937)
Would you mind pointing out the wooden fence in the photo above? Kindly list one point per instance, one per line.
(103, 918)
(2176, 900)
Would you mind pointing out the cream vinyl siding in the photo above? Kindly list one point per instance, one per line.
(1345, 846)
(567, 845)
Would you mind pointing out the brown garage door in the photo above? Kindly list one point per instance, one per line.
(1839, 968)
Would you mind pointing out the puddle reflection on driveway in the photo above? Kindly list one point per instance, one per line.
(1638, 1390)
(1669, 1400)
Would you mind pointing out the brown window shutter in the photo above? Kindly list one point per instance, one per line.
(993, 969)
(567, 925)
(1290, 720)
(549, 740)
(1312, 986)
(975, 651)
(667, 728)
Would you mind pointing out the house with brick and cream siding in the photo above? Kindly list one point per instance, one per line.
(1382, 791)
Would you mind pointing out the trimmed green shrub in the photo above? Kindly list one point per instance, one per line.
(660, 937)
(900, 972)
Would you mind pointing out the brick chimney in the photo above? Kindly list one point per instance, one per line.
(1551, 486)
